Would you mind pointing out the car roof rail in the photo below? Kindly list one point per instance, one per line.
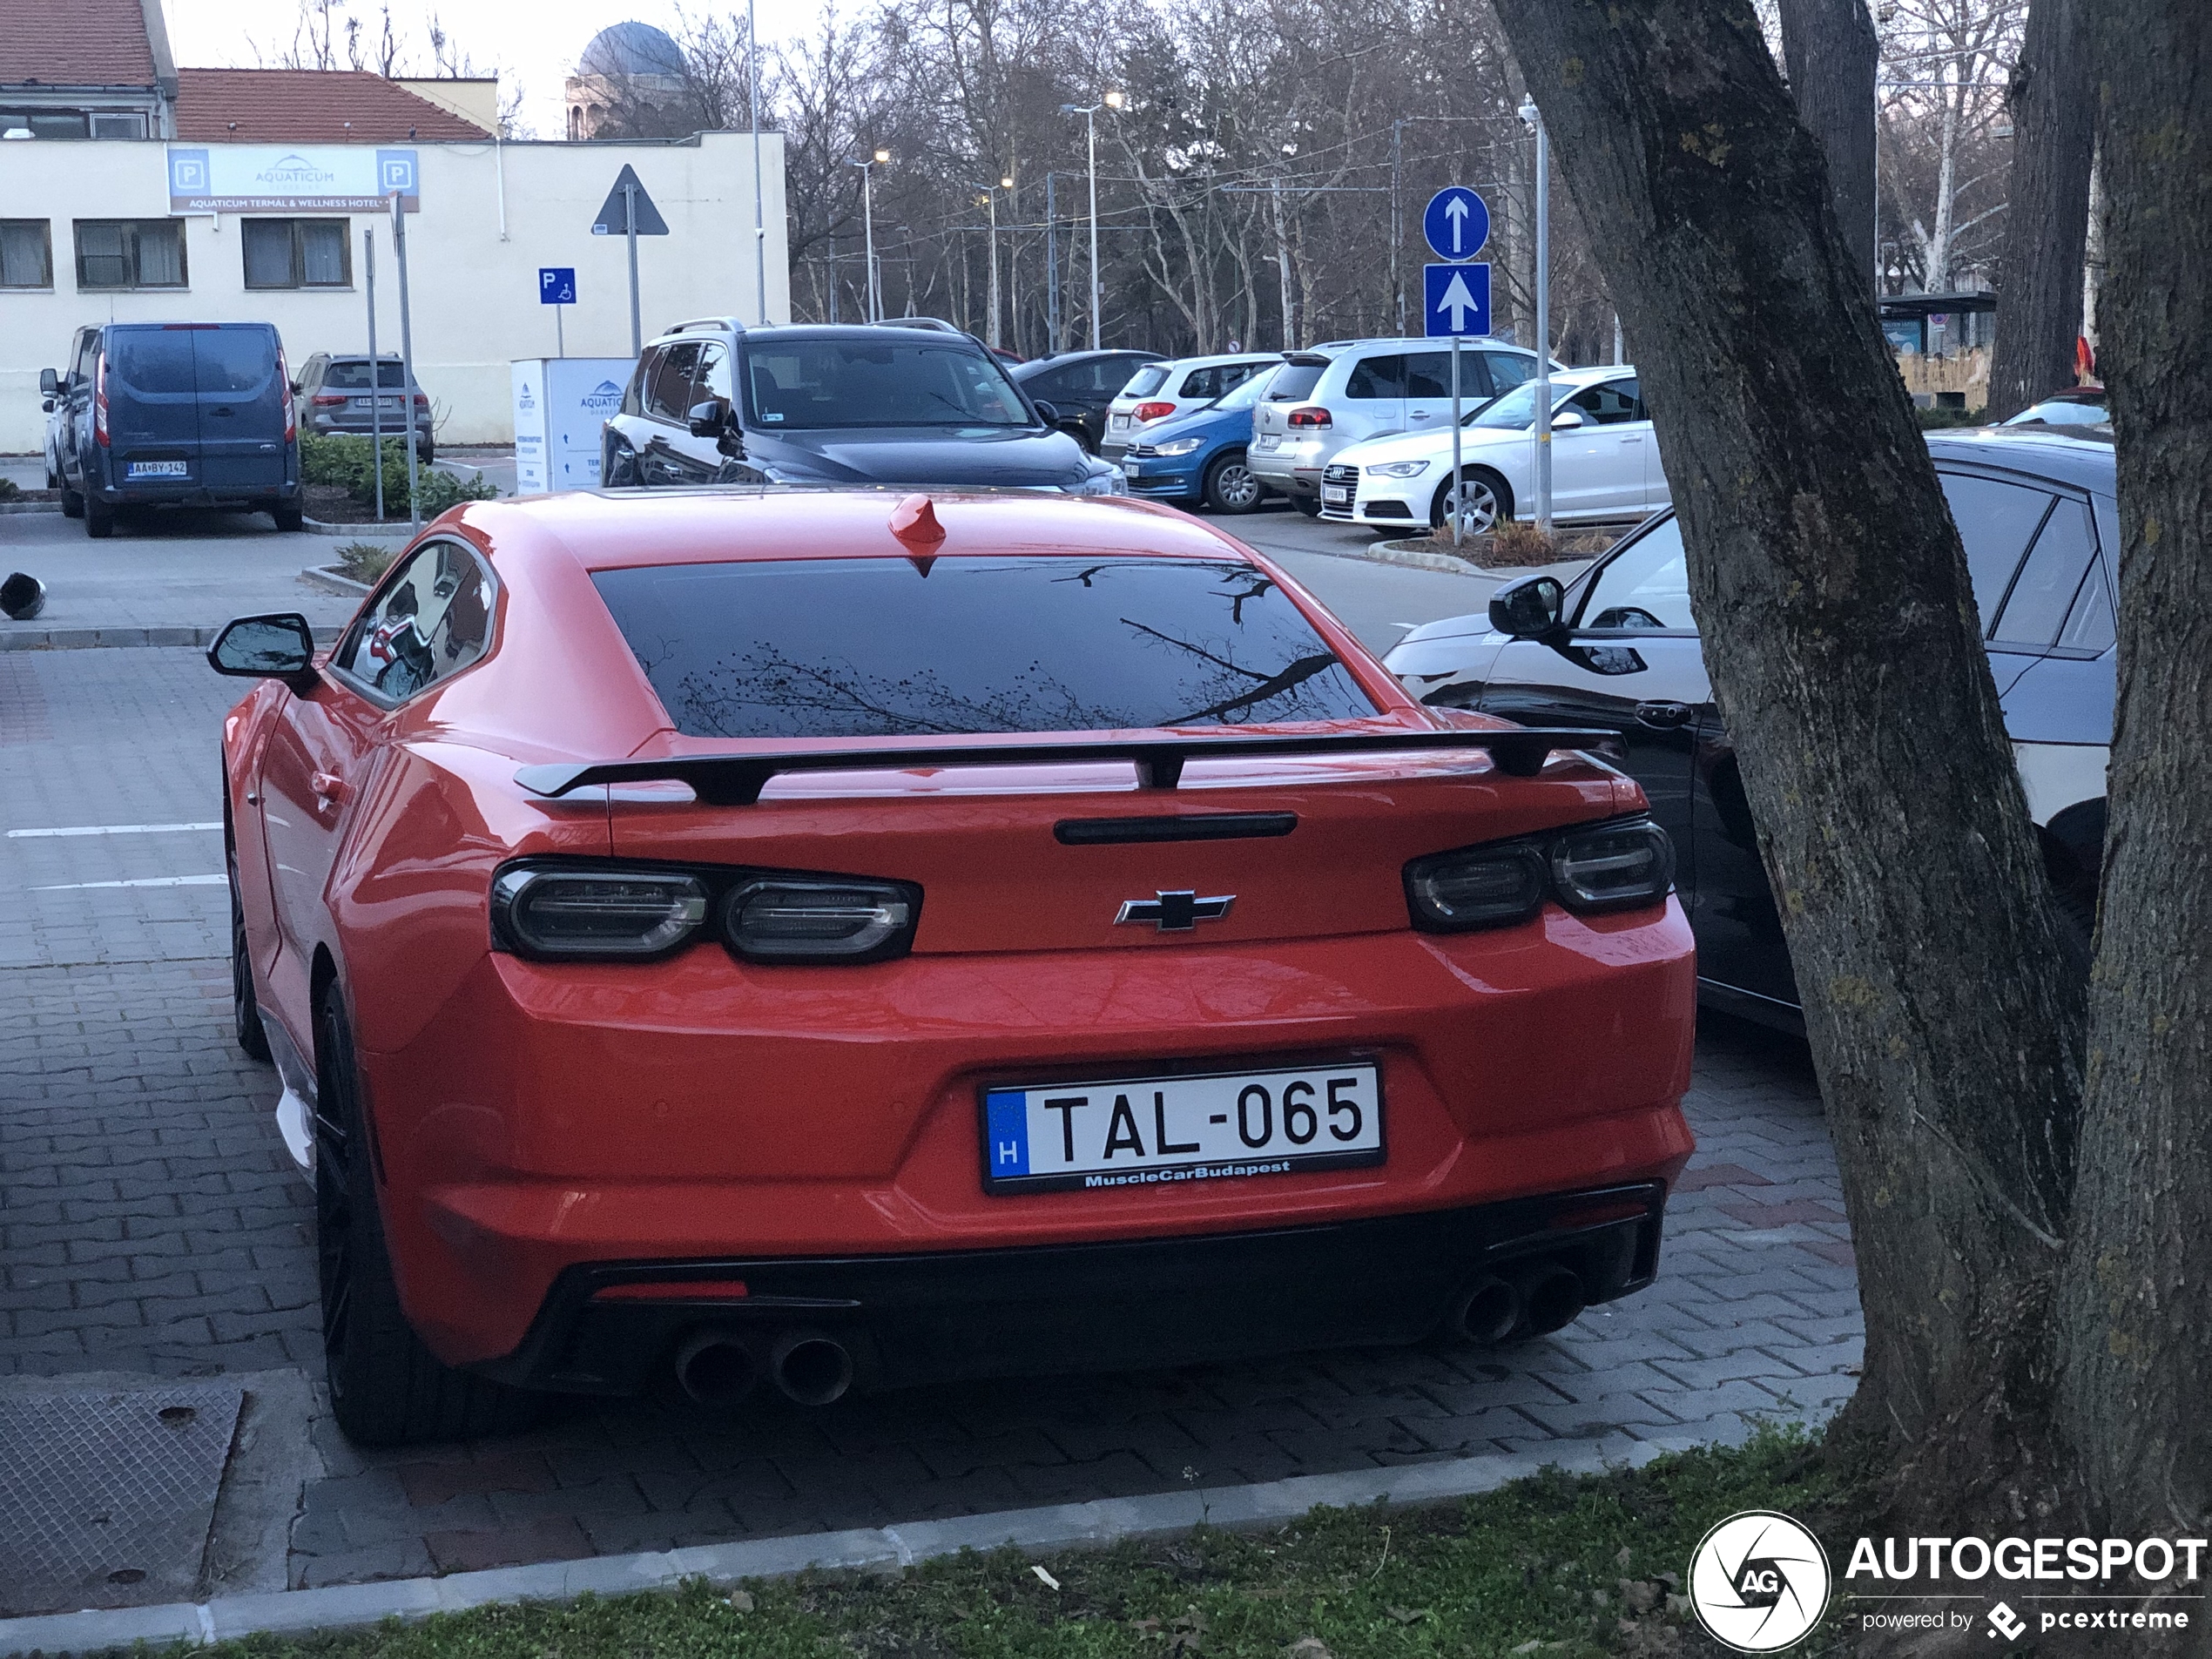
(731, 323)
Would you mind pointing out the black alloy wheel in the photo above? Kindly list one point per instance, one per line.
(385, 1388)
(1233, 487)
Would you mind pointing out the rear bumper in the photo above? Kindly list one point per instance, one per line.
(358, 426)
(184, 493)
(613, 1327)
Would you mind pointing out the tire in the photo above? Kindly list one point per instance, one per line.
(1488, 499)
(1308, 505)
(385, 1388)
(289, 518)
(99, 519)
(1231, 486)
(72, 503)
(246, 1008)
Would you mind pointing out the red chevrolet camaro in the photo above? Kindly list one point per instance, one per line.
(828, 940)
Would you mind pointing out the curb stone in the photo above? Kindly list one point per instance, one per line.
(884, 1550)
(323, 527)
(30, 506)
(111, 638)
(330, 579)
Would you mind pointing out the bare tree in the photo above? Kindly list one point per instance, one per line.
(1830, 48)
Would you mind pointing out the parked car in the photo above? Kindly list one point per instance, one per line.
(721, 939)
(2037, 514)
(714, 402)
(193, 413)
(1200, 456)
(1161, 391)
(1368, 389)
(334, 394)
(2079, 410)
(1605, 461)
(940, 326)
(1079, 384)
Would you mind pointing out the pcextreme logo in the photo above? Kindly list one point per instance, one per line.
(1759, 1582)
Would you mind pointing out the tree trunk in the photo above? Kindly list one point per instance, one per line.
(2053, 103)
(1841, 634)
(1832, 54)
(2135, 1341)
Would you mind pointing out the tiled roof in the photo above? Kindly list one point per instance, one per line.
(306, 106)
(85, 43)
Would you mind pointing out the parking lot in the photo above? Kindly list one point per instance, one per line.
(152, 1227)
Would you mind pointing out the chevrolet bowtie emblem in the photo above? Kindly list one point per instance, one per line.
(1175, 913)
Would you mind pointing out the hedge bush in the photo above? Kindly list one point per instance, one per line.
(350, 463)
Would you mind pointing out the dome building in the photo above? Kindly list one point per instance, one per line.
(627, 68)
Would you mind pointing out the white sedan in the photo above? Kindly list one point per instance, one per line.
(1605, 461)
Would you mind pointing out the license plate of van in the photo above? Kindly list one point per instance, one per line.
(158, 469)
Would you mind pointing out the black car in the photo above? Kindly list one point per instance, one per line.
(334, 394)
(2038, 516)
(714, 402)
(187, 414)
(1079, 384)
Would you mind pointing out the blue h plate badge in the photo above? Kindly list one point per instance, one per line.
(1006, 1128)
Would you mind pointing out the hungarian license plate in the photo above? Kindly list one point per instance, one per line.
(157, 470)
(381, 404)
(1336, 495)
(1155, 1131)
(1268, 441)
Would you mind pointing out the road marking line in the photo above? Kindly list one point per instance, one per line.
(144, 881)
(116, 829)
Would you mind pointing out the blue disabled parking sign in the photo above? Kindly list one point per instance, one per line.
(556, 285)
(1456, 222)
(1457, 299)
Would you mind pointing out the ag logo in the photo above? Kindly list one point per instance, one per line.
(1759, 1582)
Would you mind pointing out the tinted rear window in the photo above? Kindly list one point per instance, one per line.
(152, 360)
(354, 377)
(233, 359)
(851, 648)
(1293, 380)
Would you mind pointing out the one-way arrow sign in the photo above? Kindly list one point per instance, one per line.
(1458, 299)
(1456, 222)
(614, 218)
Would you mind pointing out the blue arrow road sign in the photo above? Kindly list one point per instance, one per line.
(1456, 222)
(1458, 299)
(556, 285)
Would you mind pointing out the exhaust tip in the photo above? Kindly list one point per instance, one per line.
(1551, 1298)
(810, 1368)
(714, 1369)
(1488, 1312)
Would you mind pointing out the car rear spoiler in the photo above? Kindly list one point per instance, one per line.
(738, 779)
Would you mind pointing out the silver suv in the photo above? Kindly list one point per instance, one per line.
(1349, 390)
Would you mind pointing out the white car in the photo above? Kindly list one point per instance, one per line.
(1605, 461)
(1159, 392)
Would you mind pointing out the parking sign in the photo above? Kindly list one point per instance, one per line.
(556, 285)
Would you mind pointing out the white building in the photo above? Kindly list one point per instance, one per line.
(254, 193)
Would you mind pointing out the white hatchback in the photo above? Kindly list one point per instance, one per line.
(1605, 461)
(1159, 392)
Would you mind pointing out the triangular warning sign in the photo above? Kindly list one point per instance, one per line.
(614, 218)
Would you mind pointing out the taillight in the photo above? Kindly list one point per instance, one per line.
(778, 919)
(566, 911)
(1309, 414)
(1154, 411)
(571, 913)
(100, 404)
(284, 386)
(1590, 869)
(421, 400)
(329, 399)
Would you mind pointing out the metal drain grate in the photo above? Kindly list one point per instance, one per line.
(105, 1499)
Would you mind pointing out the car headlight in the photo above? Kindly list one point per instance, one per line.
(1399, 469)
(1590, 869)
(1176, 446)
(561, 910)
(1107, 481)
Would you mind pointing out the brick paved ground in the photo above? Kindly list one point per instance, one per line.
(150, 1222)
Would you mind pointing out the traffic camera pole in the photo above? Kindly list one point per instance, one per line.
(406, 366)
(375, 372)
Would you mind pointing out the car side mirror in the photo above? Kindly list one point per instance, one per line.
(280, 647)
(1530, 607)
(296, 389)
(49, 382)
(1048, 413)
(709, 419)
(1567, 420)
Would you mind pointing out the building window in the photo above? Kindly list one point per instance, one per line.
(26, 253)
(296, 253)
(44, 124)
(130, 254)
(118, 123)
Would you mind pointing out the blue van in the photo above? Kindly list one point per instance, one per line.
(184, 414)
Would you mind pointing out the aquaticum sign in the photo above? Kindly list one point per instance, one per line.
(269, 178)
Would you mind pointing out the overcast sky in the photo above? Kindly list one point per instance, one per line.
(536, 41)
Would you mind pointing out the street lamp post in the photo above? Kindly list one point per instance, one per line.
(1541, 427)
(874, 304)
(759, 211)
(1111, 100)
(991, 201)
